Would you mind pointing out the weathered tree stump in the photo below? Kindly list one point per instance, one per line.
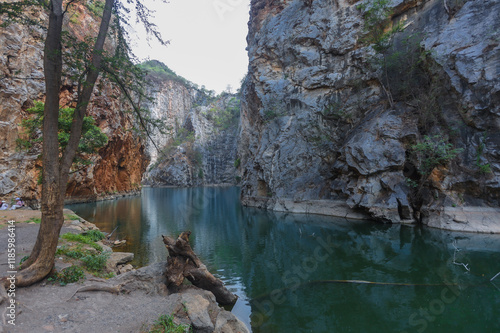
(184, 263)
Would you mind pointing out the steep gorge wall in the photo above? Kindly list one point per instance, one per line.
(319, 134)
(119, 165)
(201, 148)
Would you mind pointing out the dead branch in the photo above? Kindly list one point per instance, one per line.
(184, 263)
(446, 7)
(109, 289)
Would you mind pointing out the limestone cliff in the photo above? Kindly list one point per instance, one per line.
(119, 165)
(201, 146)
(404, 133)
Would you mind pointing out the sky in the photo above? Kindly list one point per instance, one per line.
(207, 40)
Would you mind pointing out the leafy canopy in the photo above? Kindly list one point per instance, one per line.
(92, 137)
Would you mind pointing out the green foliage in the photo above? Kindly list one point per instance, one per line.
(83, 239)
(96, 7)
(165, 324)
(70, 274)
(229, 116)
(35, 220)
(75, 254)
(71, 217)
(74, 18)
(237, 162)
(432, 152)
(404, 68)
(158, 70)
(200, 173)
(23, 259)
(94, 235)
(483, 168)
(95, 262)
(411, 183)
(376, 14)
(23, 12)
(92, 138)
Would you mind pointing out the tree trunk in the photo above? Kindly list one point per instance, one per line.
(184, 263)
(40, 262)
(56, 169)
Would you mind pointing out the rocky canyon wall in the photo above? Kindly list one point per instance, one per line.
(201, 148)
(405, 133)
(117, 168)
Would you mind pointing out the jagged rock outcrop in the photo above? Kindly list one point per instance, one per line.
(201, 149)
(329, 125)
(119, 165)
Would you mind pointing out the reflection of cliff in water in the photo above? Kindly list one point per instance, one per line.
(257, 252)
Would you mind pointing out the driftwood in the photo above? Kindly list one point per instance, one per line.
(183, 263)
(109, 289)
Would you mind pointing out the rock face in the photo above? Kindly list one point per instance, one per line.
(329, 125)
(202, 147)
(119, 165)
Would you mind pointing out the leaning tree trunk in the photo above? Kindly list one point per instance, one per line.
(184, 263)
(41, 259)
(56, 168)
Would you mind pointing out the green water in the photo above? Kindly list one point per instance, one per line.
(283, 266)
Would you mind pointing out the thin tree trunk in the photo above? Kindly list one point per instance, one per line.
(84, 97)
(51, 197)
(56, 171)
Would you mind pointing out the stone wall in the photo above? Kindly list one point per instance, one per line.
(320, 128)
(119, 165)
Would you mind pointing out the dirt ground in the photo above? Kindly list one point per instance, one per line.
(18, 215)
(47, 307)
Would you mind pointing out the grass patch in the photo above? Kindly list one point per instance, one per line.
(94, 235)
(165, 324)
(71, 217)
(83, 239)
(34, 220)
(95, 262)
(70, 274)
(84, 252)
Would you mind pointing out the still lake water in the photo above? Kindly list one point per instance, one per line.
(286, 268)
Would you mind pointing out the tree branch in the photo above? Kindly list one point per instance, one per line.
(67, 5)
(134, 106)
(84, 97)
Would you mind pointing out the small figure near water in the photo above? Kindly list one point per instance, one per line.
(19, 204)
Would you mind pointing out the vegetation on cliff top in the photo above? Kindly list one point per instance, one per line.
(159, 71)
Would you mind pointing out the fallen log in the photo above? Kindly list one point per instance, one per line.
(184, 263)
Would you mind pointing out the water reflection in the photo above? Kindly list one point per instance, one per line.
(282, 265)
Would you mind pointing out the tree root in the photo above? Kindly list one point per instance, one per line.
(3, 292)
(184, 263)
(116, 289)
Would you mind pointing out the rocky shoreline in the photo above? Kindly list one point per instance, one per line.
(129, 302)
(463, 219)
